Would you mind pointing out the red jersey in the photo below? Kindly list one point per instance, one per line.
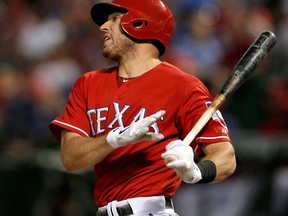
(96, 105)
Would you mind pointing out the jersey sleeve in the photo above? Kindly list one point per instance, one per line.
(197, 101)
(74, 117)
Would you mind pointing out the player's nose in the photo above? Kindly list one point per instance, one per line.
(105, 26)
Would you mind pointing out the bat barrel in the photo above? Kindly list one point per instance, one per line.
(249, 61)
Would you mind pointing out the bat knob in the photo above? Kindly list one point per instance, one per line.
(169, 159)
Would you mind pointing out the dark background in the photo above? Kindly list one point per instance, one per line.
(45, 45)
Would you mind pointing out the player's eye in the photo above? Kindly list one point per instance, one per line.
(114, 17)
(117, 17)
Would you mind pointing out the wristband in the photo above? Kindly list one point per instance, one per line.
(208, 171)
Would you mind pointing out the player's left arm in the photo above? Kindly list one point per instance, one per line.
(222, 154)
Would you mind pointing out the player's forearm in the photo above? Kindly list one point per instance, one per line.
(223, 155)
(82, 152)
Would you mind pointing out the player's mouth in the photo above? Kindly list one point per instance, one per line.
(106, 37)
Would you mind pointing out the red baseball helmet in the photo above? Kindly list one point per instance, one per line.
(143, 19)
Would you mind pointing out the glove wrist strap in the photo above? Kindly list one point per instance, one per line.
(208, 171)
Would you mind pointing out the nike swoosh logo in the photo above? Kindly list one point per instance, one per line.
(124, 129)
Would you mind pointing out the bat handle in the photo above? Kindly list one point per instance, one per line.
(216, 104)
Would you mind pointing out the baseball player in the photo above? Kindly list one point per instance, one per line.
(125, 120)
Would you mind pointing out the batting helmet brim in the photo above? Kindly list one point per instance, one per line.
(101, 11)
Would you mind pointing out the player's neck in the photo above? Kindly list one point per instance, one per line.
(141, 59)
(137, 66)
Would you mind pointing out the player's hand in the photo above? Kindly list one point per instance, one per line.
(184, 165)
(136, 132)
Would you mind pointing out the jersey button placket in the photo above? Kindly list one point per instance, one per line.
(125, 86)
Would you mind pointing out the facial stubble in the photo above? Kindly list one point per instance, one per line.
(121, 47)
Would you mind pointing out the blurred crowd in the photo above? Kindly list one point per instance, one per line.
(45, 45)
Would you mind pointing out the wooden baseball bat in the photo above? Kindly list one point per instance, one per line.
(242, 70)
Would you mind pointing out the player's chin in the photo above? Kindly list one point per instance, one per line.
(110, 55)
(106, 53)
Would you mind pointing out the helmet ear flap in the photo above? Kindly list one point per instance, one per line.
(139, 27)
(130, 21)
(138, 24)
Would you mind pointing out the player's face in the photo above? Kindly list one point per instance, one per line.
(116, 44)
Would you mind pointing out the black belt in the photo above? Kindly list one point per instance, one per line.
(126, 210)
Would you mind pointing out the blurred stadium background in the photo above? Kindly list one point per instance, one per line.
(45, 45)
